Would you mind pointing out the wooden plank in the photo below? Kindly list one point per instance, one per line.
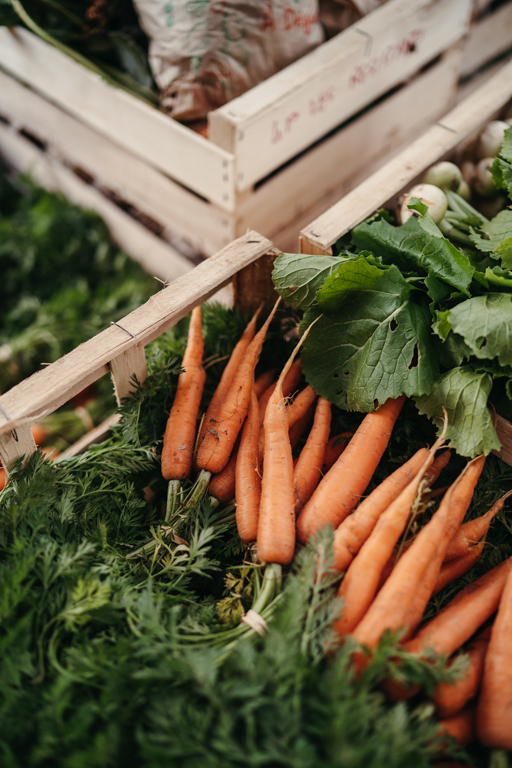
(166, 144)
(154, 254)
(318, 178)
(124, 366)
(471, 84)
(504, 430)
(206, 227)
(488, 38)
(50, 388)
(14, 444)
(280, 117)
(443, 137)
(96, 435)
(253, 284)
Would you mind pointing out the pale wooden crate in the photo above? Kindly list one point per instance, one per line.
(208, 191)
(120, 349)
(449, 136)
(489, 37)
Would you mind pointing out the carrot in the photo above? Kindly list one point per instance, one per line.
(449, 698)
(462, 726)
(472, 531)
(306, 473)
(390, 609)
(247, 477)
(495, 706)
(297, 430)
(290, 384)
(214, 452)
(3, 478)
(180, 432)
(340, 490)
(263, 382)
(454, 569)
(333, 450)
(276, 523)
(461, 618)
(38, 433)
(351, 534)
(222, 485)
(361, 581)
(296, 410)
(228, 374)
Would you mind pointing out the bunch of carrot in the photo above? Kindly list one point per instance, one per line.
(245, 443)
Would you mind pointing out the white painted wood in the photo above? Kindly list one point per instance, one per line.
(166, 144)
(282, 116)
(50, 388)
(154, 254)
(320, 177)
(448, 133)
(488, 38)
(206, 227)
(130, 363)
(14, 444)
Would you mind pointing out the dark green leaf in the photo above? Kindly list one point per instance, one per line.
(485, 323)
(297, 277)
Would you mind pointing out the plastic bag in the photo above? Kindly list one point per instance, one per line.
(203, 53)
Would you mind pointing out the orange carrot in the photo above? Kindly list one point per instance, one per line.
(460, 619)
(390, 609)
(296, 410)
(3, 478)
(333, 450)
(462, 726)
(449, 698)
(290, 384)
(38, 433)
(351, 534)
(360, 584)
(306, 473)
(180, 431)
(263, 382)
(472, 531)
(495, 706)
(222, 485)
(339, 492)
(276, 524)
(454, 569)
(227, 376)
(247, 477)
(300, 426)
(214, 452)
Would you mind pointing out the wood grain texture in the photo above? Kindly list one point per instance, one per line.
(130, 363)
(393, 177)
(488, 38)
(50, 388)
(14, 444)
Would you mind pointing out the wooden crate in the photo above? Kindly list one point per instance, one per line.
(489, 37)
(120, 348)
(458, 128)
(277, 155)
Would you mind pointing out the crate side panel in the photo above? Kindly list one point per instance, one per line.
(184, 155)
(364, 62)
(488, 38)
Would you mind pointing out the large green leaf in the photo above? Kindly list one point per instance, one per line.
(485, 323)
(463, 393)
(373, 340)
(297, 277)
(498, 234)
(413, 249)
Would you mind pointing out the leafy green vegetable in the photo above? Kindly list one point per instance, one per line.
(412, 249)
(373, 341)
(485, 323)
(463, 393)
(497, 234)
(298, 277)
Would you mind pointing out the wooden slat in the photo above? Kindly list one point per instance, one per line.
(488, 38)
(389, 180)
(50, 388)
(154, 254)
(15, 444)
(317, 179)
(504, 430)
(185, 155)
(124, 366)
(288, 112)
(206, 227)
